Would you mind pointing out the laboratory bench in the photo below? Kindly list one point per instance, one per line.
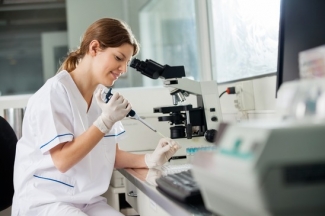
(143, 196)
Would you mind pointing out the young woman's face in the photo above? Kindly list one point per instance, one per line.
(110, 63)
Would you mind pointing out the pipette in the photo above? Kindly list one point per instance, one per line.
(132, 113)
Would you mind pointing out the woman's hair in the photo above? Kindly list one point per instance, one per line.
(108, 32)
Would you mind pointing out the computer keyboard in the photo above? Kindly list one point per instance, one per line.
(180, 186)
(167, 168)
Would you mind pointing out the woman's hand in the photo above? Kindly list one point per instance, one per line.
(164, 150)
(115, 110)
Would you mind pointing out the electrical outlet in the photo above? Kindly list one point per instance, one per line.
(245, 95)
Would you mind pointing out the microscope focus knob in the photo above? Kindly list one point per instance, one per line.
(214, 118)
(210, 135)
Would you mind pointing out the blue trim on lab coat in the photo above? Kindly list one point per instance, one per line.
(112, 135)
(53, 180)
(55, 138)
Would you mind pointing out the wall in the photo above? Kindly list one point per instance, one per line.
(81, 13)
(22, 23)
(126, 10)
(264, 94)
(52, 42)
(264, 99)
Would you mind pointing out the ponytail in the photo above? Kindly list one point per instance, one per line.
(71, 61)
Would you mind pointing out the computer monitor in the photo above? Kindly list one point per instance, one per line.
(301, 28)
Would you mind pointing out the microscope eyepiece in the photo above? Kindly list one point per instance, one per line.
(148, 68)
(136, 64)
(155, 70)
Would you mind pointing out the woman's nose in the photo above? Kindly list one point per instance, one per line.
(123, 68)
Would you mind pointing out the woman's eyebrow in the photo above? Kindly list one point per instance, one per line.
(121, 54)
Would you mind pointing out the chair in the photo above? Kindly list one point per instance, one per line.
(8, 141)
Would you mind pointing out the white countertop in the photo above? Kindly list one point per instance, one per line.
(138, 177)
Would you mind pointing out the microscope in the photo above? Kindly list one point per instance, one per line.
(187, 121)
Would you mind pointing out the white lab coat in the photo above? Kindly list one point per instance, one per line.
(55, 114)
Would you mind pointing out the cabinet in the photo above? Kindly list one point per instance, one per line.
(115, 195)
(141, 202)
(112, 196)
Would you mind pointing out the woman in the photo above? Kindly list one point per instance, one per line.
(65, 158)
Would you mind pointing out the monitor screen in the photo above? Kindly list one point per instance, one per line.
(301, 28)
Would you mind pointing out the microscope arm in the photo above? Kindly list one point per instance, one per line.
(185, 84)
(207, 93)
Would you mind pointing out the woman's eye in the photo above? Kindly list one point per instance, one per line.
(118, 58)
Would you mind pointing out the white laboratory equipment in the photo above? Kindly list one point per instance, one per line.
(265, 168)
(192, 122)
(301, 98)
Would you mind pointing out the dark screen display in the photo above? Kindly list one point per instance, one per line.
(301, 28)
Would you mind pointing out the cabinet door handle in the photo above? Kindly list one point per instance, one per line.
(132, 194)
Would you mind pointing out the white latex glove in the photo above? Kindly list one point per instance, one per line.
(152, 175)
(165, 149)
(115, 110)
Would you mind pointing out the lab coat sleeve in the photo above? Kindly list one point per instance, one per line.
(54, 118)
(117, 132)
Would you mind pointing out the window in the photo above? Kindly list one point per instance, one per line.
(168, 35)
(22, 25)
(244, 37)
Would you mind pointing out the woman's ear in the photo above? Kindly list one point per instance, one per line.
(93, 47)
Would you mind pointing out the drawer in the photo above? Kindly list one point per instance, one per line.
(117, 179)
(149, 207)
(131, 194)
